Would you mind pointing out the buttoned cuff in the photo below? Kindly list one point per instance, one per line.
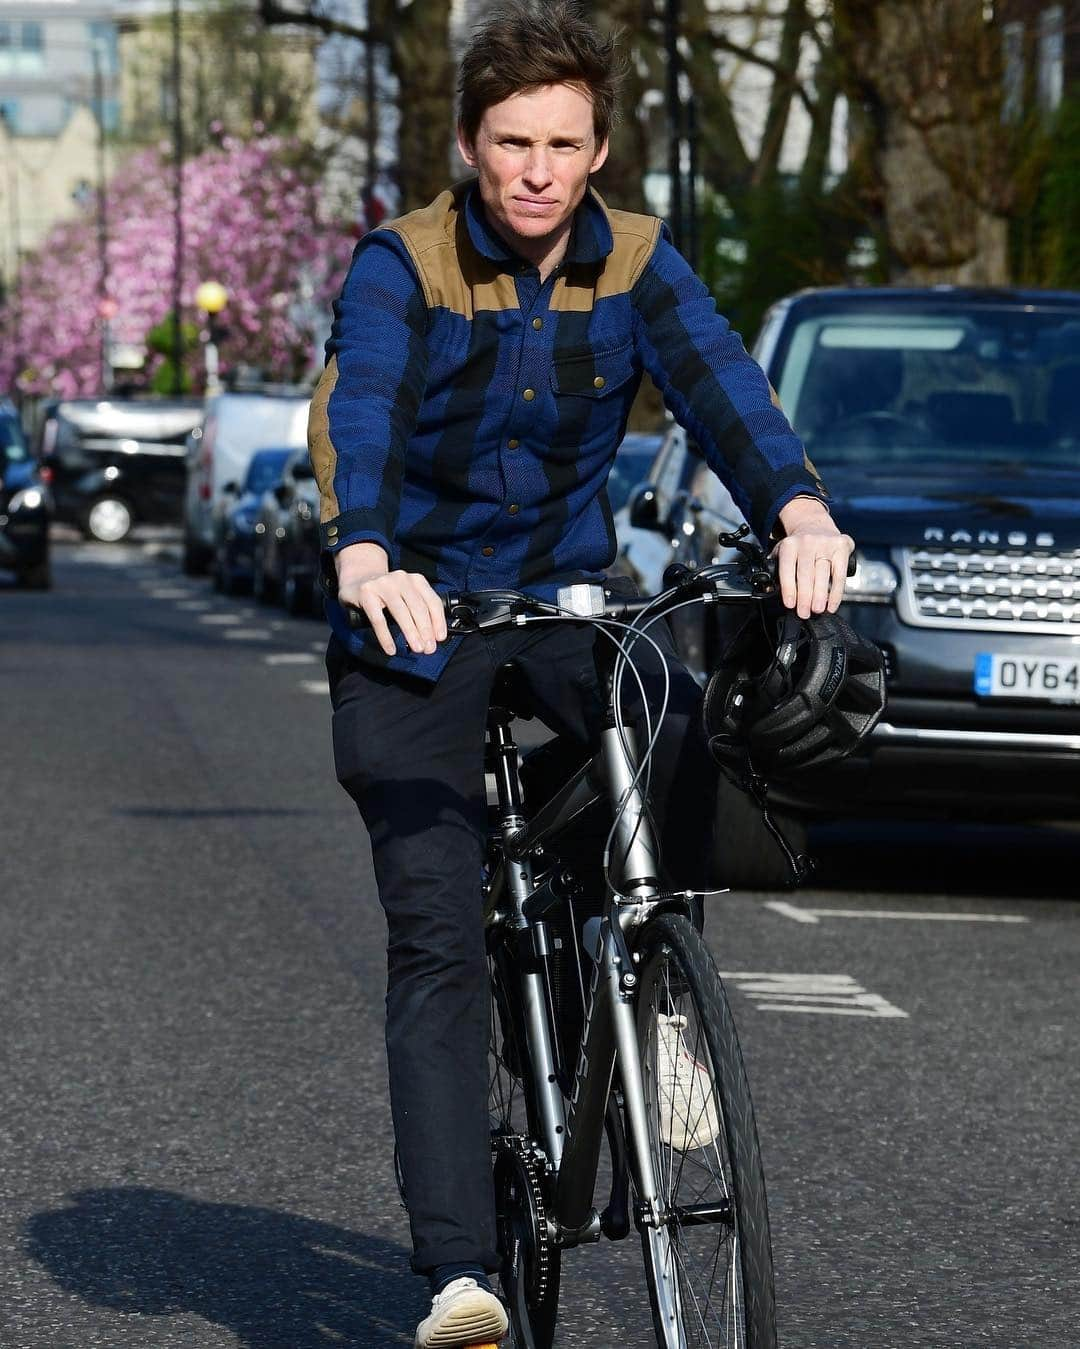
(360, 526)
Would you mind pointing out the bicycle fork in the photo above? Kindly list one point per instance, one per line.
(611, 1038)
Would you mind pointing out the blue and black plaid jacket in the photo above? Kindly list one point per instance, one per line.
(468, 414)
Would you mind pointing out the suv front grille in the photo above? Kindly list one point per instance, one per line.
(1030, 591)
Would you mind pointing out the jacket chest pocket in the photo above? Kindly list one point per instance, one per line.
(592, 374)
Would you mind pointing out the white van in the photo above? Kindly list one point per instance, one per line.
(236, 425)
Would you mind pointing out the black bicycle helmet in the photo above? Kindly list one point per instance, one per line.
(793, 694)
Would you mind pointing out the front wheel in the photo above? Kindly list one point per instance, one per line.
(709, 1265)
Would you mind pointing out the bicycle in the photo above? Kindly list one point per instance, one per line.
(648, 1053)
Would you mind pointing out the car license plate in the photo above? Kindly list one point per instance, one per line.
(1049, 678)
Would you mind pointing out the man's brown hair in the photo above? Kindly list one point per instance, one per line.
(521, 46)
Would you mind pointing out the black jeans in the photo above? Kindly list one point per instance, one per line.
(410, 754)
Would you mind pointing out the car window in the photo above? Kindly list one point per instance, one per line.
(631, 466)
(985, 385)
(12, 444)
(264, 471)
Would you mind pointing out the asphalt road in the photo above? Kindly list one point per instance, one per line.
(194, 1140)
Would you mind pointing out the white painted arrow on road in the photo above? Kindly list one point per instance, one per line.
(825, 994)
(792, 911)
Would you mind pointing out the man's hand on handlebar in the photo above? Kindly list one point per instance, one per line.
(366, 581)
(812, 558)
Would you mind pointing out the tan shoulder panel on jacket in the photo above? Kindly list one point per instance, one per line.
(321, 449)
(452, 273)
(634, 242)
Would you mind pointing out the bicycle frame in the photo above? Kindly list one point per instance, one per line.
(572, 1137)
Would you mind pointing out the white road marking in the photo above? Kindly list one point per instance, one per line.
(169, 592)
(315, 686)
(193, 605)
(247, 635)
(219, 618)
(787, 910)
(824, 994)
(781, 906)
(291, 658)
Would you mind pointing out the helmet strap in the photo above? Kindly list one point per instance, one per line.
(750, 781)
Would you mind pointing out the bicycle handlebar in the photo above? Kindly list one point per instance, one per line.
(752, 577)
(485, 610)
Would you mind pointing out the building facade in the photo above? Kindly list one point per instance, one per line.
(59, 91)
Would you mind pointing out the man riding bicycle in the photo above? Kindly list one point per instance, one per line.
(484, 357)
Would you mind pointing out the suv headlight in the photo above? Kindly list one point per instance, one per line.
(28, 499)
(874, 582)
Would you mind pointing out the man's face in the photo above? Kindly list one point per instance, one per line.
(533, 154)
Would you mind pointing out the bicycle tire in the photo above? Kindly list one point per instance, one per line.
(532, 1300)
(705, 1153)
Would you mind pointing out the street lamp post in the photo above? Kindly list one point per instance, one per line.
(106, 309)
(212, 297)
(178, 204)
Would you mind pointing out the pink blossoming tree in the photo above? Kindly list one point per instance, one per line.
(252, 221)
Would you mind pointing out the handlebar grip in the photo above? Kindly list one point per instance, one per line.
(356, 618)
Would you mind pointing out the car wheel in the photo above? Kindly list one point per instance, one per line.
(747, 855)
(193, 558)
(109, 519)
(296, 594)
(35, 577)
(262, 584)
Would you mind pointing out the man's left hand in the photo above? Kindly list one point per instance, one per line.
(812, 558)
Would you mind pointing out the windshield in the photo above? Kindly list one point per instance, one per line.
(264, 471)
(989, 387)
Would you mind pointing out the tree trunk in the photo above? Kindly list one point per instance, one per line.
(927, 73)
(422, 59)
(621, 180)
(781, 94)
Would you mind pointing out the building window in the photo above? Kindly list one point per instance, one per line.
(22, 48)
(1051, 72)
(9, 112)
(1012, 61)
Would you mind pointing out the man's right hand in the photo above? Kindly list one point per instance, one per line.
(366, 581)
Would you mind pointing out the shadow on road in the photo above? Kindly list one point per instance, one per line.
(955, 859)
(272, 1278)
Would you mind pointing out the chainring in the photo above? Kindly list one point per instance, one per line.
(524, 1235)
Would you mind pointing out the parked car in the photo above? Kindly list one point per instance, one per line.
(676, 513)
(234, 554)
(946, 425)
(25, 506)
(286, 541)
(237, 424)
(113, 463)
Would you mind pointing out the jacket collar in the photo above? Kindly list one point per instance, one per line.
(591, 239)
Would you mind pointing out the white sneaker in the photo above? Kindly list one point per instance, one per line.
(462, 1314)
(688, 1114)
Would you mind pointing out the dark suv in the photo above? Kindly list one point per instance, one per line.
(945, 423)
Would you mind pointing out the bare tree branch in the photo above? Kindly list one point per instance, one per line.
(273, 13)
(780, 72)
